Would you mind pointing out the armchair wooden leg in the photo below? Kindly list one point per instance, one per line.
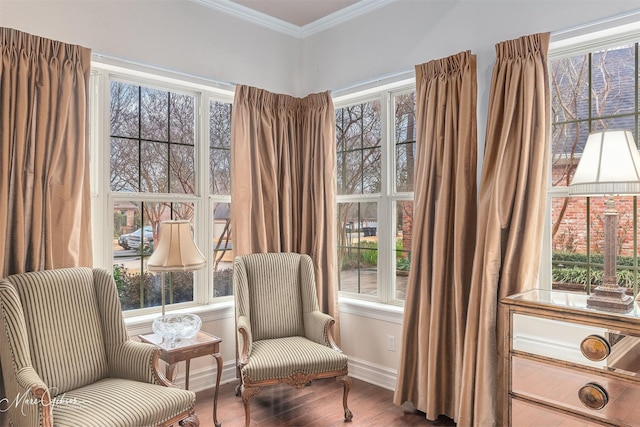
(346, 383)
(191, 421)
(247, 395)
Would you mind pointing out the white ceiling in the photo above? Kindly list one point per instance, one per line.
(298, 12)
(298, 18)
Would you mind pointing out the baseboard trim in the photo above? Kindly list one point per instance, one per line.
(372, 373)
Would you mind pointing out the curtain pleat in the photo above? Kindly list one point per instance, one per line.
(283, 169)
(44, 154)
(444, 226)
(512, 207)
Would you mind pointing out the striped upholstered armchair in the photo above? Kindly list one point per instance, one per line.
(67, 359)
(282, 335)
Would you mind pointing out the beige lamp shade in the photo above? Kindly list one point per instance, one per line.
(610, 165)
(176, 250)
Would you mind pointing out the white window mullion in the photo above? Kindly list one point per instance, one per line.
(202, 219)
(103, 220)
(385, 210)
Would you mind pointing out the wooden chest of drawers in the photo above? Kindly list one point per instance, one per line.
(566, 364)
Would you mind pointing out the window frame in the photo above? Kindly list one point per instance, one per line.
(387, 197)
(102, 73)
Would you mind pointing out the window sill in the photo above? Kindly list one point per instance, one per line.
(138, 325)
(373, 310)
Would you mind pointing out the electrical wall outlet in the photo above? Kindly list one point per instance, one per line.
(391, 343)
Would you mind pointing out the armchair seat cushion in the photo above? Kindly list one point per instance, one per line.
(109, 403)
(278, 358)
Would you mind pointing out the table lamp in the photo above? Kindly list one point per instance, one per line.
(609, 166)
(176, 251)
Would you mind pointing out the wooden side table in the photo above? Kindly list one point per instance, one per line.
(201, 345)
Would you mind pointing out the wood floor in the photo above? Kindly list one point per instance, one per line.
(319, 404)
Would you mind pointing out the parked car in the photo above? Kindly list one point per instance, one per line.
(124, 240)
(135, 239)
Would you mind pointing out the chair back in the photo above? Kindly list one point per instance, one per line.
(273, 287)
(63, 326)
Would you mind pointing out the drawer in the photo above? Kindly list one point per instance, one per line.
(526, 414)
(585, 345)
(562, 387)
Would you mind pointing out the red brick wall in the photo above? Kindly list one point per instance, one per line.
(407, 224)
(572, 230)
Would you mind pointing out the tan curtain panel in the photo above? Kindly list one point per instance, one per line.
(44, 154)
(444, 227)
(283, 174)
(511, 217)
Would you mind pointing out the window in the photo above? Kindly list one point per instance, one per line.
(375, 159)
(157, 151)
(359, 157)
(152, 140)
(592, 90)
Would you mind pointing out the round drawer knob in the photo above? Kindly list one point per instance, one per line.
(595, 348)
(593, 396)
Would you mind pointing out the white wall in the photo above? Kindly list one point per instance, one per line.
(404, 33)
(364, 339)
(180, 35)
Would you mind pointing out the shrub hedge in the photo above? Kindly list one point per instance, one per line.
(571, 268)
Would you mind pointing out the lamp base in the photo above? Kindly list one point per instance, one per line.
(610, 298)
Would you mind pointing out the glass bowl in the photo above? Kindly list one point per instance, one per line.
(177, 326)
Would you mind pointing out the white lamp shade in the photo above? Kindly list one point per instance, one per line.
(610, 165)
(176, 249)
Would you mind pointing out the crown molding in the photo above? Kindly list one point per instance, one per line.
(262, 19)
(340, 16)
(253, 16)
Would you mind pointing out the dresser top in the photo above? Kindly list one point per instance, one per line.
(567, 301)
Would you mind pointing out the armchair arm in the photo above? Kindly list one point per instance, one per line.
(34, 404)
(137, 361)
(28, 379)
(245, 338)
(318, 327)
